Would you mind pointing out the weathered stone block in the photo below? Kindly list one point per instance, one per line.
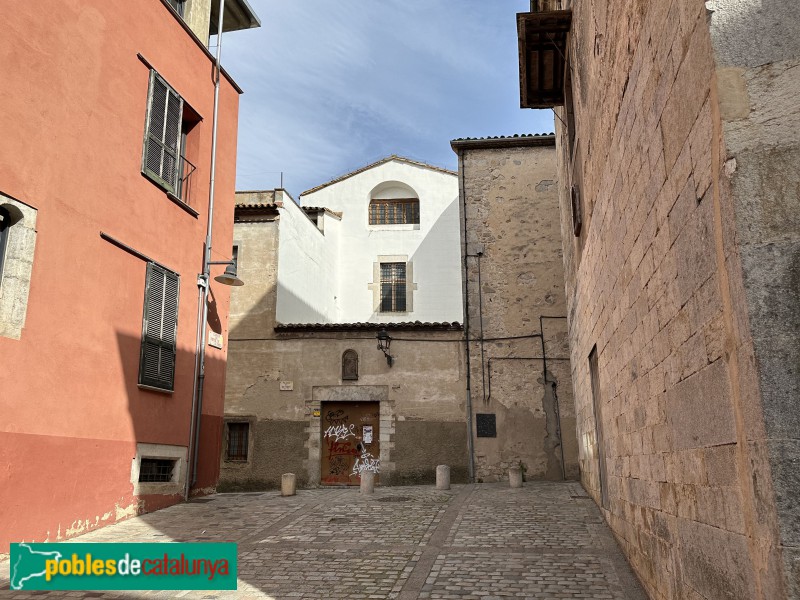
(715, 562)
(720, 462)
(699, 409)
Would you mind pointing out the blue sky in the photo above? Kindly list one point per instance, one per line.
(332, 86)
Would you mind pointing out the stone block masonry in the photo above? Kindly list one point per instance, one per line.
(683, 279)
(514, 282)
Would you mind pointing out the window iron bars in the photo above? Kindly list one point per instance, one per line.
(393, 287)
(156, 470)
(237, 440)
(394, 212)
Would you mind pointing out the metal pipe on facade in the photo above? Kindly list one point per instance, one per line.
(555, 396)
(479, 254)
(202, 280)
(470, 444)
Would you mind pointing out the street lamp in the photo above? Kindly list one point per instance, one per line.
(384, 341)
(229, 276)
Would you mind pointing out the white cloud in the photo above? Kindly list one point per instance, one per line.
(331, 86)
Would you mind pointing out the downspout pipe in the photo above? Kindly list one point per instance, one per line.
(203, 278)
(479, 255)
(470, 443)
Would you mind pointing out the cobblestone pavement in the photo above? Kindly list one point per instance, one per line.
(545, 540)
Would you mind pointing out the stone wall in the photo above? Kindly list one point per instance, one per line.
(757, 52)
(515, 290)
(687, 256)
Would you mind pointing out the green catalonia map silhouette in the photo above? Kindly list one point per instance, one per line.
(29, 564)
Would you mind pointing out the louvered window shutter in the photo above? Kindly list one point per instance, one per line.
(159, 329)
(163, 136)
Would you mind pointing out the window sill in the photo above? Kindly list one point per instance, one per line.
(397, 227)
(171, 196)
(182, 204)
(150, 388)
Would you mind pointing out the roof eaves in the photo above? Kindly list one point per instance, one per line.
(364, 326)
(503, 141)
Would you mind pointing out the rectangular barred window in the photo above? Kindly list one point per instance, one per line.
(393, 287)
(237, 441)
(394, 212)
(156, 470)
(159, 328)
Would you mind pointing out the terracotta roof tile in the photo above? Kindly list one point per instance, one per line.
(256, 199)
(504, 141)
(444, 326)
(505, 137)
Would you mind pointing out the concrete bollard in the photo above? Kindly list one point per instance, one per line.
(367, 482)
(442, 477)
(287, 484)
(515, 477)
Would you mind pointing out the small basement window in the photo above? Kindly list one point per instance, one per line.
(156, 470)
(238, 434)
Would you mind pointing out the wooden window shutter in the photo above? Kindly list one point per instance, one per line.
(162, 141)
(159, 328)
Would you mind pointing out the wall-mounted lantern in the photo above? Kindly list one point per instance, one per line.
(384, 341)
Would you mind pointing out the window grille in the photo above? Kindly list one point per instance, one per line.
(159, 328)
(238, 434)
(156, 470)
(393, 287)
(394, 212)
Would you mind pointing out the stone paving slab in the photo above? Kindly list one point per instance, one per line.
(545, 540)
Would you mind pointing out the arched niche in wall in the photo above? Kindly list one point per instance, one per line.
(393, 203)
(350, 365)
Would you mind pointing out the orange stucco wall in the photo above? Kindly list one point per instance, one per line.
(73, 99)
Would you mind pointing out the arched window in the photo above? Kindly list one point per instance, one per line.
(350, 365)
(393, 203)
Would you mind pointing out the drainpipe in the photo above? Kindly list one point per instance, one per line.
(470, 449)
(479, 254)
(202, 282)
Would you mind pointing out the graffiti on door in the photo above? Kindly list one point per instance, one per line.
(350, 442)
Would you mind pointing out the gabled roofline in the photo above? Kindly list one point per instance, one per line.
(390, 158)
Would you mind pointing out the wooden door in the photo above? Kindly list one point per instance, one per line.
(350, 441)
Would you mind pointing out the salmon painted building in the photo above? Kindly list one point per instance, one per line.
(105, 177)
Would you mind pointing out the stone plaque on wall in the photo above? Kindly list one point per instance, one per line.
(487, 425)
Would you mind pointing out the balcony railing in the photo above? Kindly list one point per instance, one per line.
(183, 191)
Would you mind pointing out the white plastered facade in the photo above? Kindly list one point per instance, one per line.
(330, 277)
